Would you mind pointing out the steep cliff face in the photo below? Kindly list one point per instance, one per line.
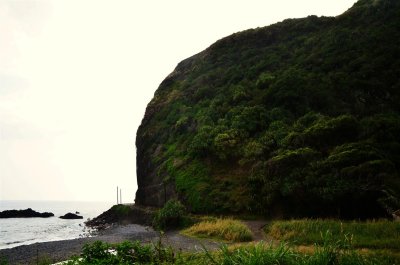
(300, 118)
(155, 187)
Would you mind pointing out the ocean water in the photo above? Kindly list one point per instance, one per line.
(23, 231)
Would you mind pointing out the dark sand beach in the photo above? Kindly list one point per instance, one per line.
(62, 250)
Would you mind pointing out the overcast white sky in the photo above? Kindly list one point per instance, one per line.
(76, 76)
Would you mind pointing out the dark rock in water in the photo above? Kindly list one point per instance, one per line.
(77, 212)
(24, 214)
(71, 216)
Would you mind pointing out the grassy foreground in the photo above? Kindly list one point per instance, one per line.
(381, 234)
(125, 253)
(223, 229)
(332, 243)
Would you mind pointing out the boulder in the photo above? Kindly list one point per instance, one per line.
(71, 216)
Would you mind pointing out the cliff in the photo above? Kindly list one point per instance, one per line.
(300, 118)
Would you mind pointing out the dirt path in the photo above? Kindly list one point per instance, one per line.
(256, 228)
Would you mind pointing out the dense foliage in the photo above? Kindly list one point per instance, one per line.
(172, 215)
(101, 253)
(301, 118)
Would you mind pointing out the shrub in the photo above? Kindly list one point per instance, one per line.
(100, 253)
(3, 261)
(170, 216)
(134, 252)
(96, 251)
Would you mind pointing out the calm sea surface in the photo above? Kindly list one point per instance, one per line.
(22, 231)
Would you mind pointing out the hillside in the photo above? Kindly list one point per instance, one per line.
(300, 118)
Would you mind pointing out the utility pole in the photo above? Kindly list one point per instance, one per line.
(117, 196)
(120, 196)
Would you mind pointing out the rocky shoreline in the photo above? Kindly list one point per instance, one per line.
(62, 250)
(123, 214)
(118, 224)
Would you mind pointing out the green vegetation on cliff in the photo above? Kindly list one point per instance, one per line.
(300, 118)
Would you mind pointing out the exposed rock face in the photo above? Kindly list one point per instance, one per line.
(71, 216)
(153, 190)
(297, 119)
(24, 214)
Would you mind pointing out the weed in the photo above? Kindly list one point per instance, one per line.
(381, 234)
(224, 229)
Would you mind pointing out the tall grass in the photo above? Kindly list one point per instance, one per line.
(330, 253)
(224, 229)
(381, 234)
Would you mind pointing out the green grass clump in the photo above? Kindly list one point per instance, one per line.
(172, 215)
(121, 210)
(265, 254)
(99, 253)
(381, 234)
(329, 252)
(224, 229)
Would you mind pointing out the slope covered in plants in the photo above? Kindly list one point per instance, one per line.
(300, 118)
